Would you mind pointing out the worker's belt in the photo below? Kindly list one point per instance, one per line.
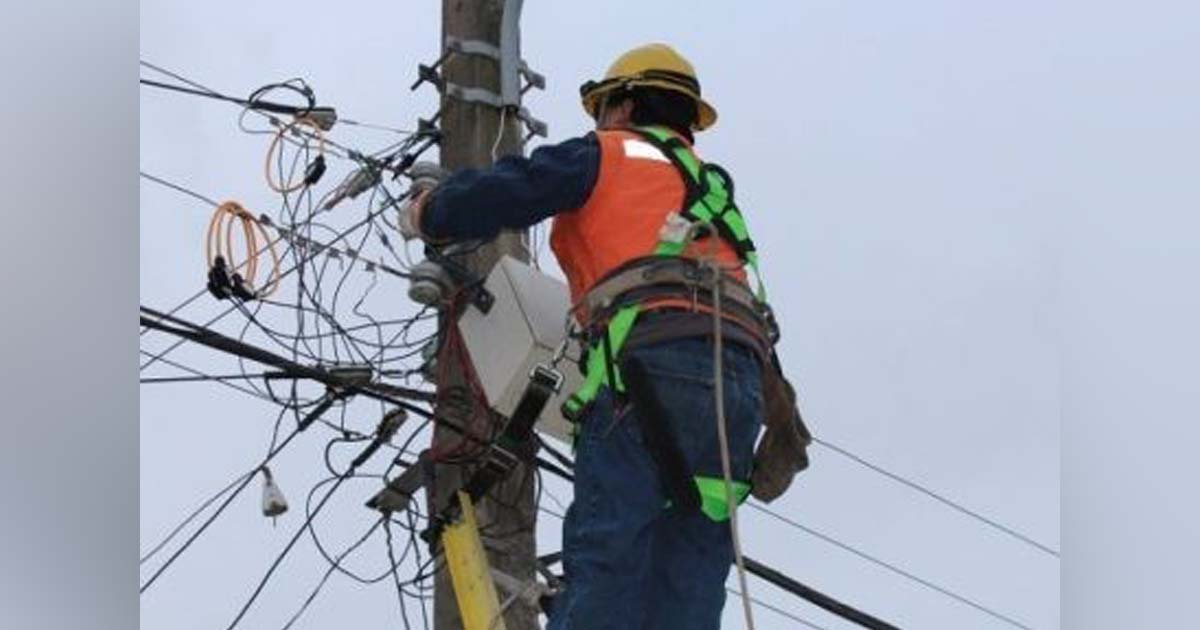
(646, 284)
(656, 279)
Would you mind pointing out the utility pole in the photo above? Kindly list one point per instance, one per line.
(470, 129)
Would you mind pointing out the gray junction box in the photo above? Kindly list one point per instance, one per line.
(524, 327)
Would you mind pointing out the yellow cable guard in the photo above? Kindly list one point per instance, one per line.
(478, 603)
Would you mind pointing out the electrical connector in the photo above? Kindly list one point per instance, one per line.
(354, 185)
(352, 374)
(324, 117)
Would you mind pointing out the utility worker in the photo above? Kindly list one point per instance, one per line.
(647, 541)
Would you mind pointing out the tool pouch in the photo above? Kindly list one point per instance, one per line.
(783, 450)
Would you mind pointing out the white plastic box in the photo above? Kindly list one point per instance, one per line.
(523, 328)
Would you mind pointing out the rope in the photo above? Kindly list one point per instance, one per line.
(723, 438)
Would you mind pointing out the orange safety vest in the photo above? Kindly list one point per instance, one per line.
(636, 188)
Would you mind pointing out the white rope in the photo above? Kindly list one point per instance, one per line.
(719, 389)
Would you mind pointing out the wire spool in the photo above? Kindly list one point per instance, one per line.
(292, 127)
(219, 245)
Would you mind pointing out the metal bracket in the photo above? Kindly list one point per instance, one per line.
(534, 79)
(534, 126)
(430, 74)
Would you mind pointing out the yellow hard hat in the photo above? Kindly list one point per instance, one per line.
(652, 65)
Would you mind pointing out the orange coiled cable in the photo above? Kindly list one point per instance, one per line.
(281, 187)
(219, 243)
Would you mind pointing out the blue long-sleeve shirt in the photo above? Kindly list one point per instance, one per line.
(515, 192)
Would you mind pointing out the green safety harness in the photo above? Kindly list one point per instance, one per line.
(708, 199)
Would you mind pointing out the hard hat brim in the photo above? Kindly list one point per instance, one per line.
(591, 92)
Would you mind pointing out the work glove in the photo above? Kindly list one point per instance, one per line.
(425, 177)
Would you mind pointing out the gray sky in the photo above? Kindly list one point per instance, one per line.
(886, 158)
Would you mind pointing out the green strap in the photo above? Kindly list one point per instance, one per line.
(713, 205)
(596, 372)
(714, 502)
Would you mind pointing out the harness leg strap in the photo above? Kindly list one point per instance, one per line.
(672, 468)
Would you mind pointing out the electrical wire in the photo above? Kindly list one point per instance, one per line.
(201, 375)
(937, 497)
(358, 225)
(891, 567)
(777, 610)
(209, 521)
(325, 578)
(178, 528)
(283, 554)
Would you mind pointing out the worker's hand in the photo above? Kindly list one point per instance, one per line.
(425, 177)
(409, 222)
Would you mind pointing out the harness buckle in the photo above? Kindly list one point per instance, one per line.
(547, 375)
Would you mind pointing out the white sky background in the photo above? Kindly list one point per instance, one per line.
(887, 159)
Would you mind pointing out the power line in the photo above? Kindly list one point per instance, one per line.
(891, 567)
(211, 92)
(224, 504)
(794, 587)
(758, 602)
(200, 378)
(938, 497)
(258, 105)
(172, 185)
(381, 436)
(191, 517)
(291, 543)
(333, 566)
(200, 375)
(815, 597)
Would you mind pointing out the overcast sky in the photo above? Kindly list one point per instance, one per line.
(886, 156)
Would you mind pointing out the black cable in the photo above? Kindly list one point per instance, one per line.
(200, 378)
(259, 105)
(391, 552)
(210, 91)
(150, 554)
(816, 597)
(229, 499)
(279, 559)
(198, 374)
(313, 595)
(291, 543)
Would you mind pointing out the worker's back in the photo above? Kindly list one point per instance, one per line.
(637, 186)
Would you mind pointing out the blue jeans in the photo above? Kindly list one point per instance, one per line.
(630, 562)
